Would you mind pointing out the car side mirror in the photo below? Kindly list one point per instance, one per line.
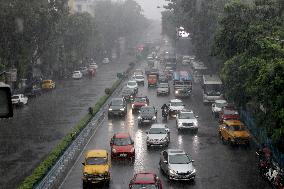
(6, 108)
(192, 161)
(213, 105)
(83, 163)
(196, 116)
(165, 161)
(147, 132)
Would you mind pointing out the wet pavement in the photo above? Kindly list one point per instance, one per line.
(36, 128)
(218, 166)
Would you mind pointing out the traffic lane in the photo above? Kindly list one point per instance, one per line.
(36, 128)
(217, 165)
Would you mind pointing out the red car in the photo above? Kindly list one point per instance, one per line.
(228, 113)
(122, 146)
(145, 181)
(138, 102)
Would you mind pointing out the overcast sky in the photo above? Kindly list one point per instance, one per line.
(150, 8)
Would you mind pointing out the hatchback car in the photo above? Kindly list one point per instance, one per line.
(177, 165)
(133, 85)
(122, 146)
(96, 167)
(147, 114)
(158, 135)
(186, 120)
(77, 75)
(48, 84)
(217, 107)
(234, 132)
(139, 79)
(145, 181)
(93, 65)
(139, 102)
(106, 61)
(175, 105)
(128, 94)
(117, 107)
(163, 89)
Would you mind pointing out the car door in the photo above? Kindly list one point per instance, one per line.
(225, 132)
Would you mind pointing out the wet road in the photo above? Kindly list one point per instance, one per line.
(36, 128)
(218, 166)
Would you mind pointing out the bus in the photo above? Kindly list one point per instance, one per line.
(212, 88)
(198, 70)
(182, 81)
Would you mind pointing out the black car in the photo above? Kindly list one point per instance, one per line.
(128, 94)
(117, 107)
(147, 114)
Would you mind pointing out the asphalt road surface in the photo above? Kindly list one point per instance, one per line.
(36, 128)
(218, 166)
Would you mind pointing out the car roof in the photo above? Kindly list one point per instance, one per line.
(96, 153)
(175, 100)
(158, 125)
(233, 122)
(220, 101)
(144, 178)
(186, 111)
(121, 135)
(175, 151)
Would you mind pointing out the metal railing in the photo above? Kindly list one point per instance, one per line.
(262, 137)
(57, 173)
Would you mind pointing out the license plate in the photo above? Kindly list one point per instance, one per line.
(147, 121)
(123, 155)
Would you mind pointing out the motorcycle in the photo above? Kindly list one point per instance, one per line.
(165, 113)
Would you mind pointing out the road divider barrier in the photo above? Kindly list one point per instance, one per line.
(52, 170)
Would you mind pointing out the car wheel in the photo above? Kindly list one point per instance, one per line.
(85, 185)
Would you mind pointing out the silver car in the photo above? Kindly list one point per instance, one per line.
(186, 120)
(158, 135)
(177, 165)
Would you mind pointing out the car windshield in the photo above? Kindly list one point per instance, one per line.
(230, 112)
(179, 159)
(131, 83)
(163, 85)
(140, 100)
(220, 105)
(147, 110)
(116, 102)
(186, 115)
(96, 161)
(157, 131)
(15, 97)
(122, 141)
(139, 77)
(237, 128)
(144, 186)
(176, 104)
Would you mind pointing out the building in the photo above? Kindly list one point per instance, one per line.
(82, 6)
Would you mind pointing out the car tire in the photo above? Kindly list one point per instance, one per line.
(85, 185)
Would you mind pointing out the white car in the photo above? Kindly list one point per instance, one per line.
(93, 65)
(19, 99)
(106, 61)
(132, 84)
(217, 106)
(158, 135)
(175, 106)
(77, 75)
(139, 79)
(186, 120)
(186, 60)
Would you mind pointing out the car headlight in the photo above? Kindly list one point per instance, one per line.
(110, 109)
(195, 123)
(132, 150)
(139, 117)
(146, 105)
(113, 150)
(132, 106)
(154, 118)
(172, 172)
(194, 171)
(85, 174)
(121, 109)
(176, 92)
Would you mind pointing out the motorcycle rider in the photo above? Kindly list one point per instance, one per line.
(165, 108)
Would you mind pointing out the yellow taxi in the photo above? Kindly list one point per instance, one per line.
(48, 84)
(234, 132)
(96, 167)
